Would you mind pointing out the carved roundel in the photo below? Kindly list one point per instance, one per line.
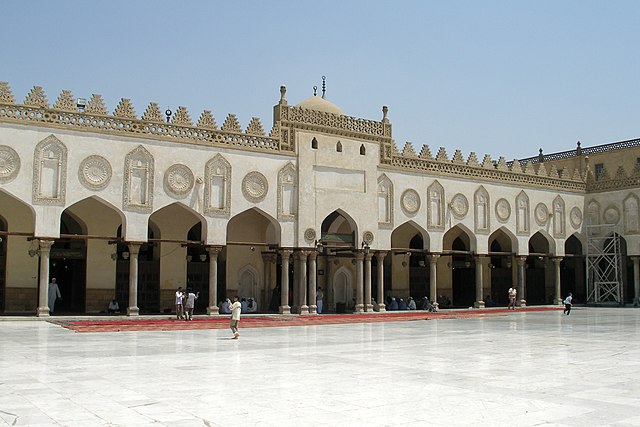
(611, 215)
(410, 201)
(95, 172)
(9, 163)
(459, 206)
(503, 209)
(575, 216)
(310, 234)
(178, 180)
(255, 187)
(367, 237)
(541, 213)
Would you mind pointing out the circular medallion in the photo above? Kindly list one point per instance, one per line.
(575, 216)
(178, 180)
(459, 206)
(9, 163)
(503, 209)
(611, 215)
(255, 187)
(95, 172)
(367, 237)
(541, 213)
(410, 201)
(310, 234)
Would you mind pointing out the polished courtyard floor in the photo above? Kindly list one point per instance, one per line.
(521, 368)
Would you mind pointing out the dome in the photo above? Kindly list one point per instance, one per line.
(320, 104)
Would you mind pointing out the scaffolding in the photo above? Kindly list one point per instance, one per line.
(604, 265)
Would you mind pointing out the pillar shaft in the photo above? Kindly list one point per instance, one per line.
(380, 258)
(367, 283)
(134, 250)
(43, 297)
(359, 282)
(302, 281)
(479, 276)
(521, 262)
(433, 277)
(558, 280)
(284, 284)
(636, 279)
(213, 309)
(313, 308)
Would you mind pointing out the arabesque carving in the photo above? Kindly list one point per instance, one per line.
(217, 187)
(138, 181)
(9, 164)
(49, 172)
(287, 193)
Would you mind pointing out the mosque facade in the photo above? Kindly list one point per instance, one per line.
(117, 206)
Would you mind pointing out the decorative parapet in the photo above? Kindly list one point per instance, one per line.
(620, 181)
(579, 151)
(95, 118)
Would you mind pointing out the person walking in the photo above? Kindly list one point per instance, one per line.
(236, 308)
(190, 303)
(54, 294)
(179, 305)
(513, 293)
(567, 304)
(319, 298)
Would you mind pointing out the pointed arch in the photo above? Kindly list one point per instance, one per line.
(631, 213)
(575, 244)
(435, 206)
(248, 281)
(542, 242)
(523, 220)
(342, 285)
(24, 209)
(385, 202)
(179, 209)
(267, 227)
(288, 192)
(314, 143)
(402, 235)
(217, 187)
(49, 172)
(459, 231)
(508, 241)
(138, 181)
(339, 147)
(339, 226)
(481, 203)
(363, 150)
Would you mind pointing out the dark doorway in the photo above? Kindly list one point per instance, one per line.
(198, 269)
(501, 275)
(68, 265)
(3, 263)
(572, 268)
(418, 269)
(463, 276)
(536, 265)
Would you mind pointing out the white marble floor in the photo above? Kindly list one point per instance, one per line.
(539, 368)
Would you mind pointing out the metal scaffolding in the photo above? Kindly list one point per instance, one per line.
(604, 265)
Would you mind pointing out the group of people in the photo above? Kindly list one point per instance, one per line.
(399, 304)
(185, 302)
(247, 305)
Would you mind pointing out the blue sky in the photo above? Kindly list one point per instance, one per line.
(497, 77)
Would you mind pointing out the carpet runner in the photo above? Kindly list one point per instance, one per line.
(222, 322)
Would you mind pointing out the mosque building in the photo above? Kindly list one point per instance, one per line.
(116, 206)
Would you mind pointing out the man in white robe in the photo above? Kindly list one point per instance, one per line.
(54, 293)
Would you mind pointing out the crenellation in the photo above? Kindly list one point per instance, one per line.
(442, 155)
(125, 110)
(37, 98)
(542, 170)
(6, 97)
(425, 153)
(408, 150)
(502, 164)
(621, 173)
(473, 160)
(181, 117)
(153, 113)
(487, 162)
(516, 166)
(457, 157)
(231, 124)
(529, 169)
(207, 121)
(96, 105)
(254, 127)
(66, 102)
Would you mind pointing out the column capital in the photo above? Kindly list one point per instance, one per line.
(313, 255)
(557, 259)
(214, 250)
(380, 255)
(286, 253)
(134, 247)
(520, 259)
(368, 256)
(433, 258)
(45, 245)
(269, 257)
(359, 255)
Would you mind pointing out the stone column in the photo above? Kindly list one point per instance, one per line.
(380, 258)
(313, 308)
(636, 279)
(43, 297)
(359, 284)
(433, 277)
(479, 271)
(269, 260)
(284, 283)
(556, 263)
(328, 277)
(302, 281)
(213, 309)
(367, 282)
(521, 261)
(134, 250)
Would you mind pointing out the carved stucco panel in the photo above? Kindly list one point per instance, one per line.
(631, 214)
(503, 210)
(95, 173)
(522, 214)
(255, 187)
(575, 216)
(49, 172)
(179, 180)
(138, 188)
(9, 164)
(385, 202)
(217, 187)
(287, 193)
(435, 207)
(559, 217)
(481, 210)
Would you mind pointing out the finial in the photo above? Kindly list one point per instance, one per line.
(168, 113)
(540, 156)
(385, 110)
(283, 91)
(578, 149)
(315, 89)
(324, 86)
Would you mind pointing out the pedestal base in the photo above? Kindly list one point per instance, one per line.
(559, 301)
(313, 309)
(213, 310)
(304, 309)
(522, 303)
(359, 308)
(369, 308)
(284, 309)
(133, 311)
(478, 304)
(382, 308)
(43, 312)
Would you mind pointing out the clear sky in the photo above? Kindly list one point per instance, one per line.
(498, 77)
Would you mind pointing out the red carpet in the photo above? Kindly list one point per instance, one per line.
(222, 322)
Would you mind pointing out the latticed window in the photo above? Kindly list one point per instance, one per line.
(339, 147)
(599, 169)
